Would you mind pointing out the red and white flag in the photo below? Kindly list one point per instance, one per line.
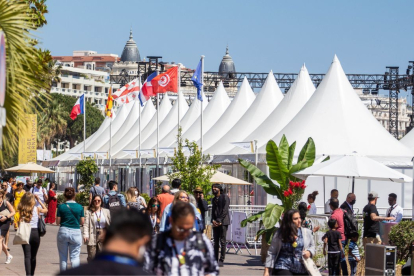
(127, 93)
(166, 82)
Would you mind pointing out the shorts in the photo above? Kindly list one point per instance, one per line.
(4, 228)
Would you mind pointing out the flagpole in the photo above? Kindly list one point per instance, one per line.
(178, 96)
(110, 138)
(158, 130)
(84, 123)
(201, 110)
(139, 125)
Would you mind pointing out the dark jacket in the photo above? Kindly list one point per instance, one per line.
(203, 206)
(102, 266)
(220, 209)
(345, 207)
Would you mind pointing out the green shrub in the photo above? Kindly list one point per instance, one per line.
(60, 199)
(82, 198)
(402, 236)
(146, 197)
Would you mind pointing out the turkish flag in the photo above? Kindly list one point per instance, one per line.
(166, 82)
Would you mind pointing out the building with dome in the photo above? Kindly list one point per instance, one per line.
(129, 58)
(227, 67)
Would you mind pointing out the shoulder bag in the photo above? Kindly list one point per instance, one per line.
(308, 263)
(73, 213)
(41, 225)
(23, 233)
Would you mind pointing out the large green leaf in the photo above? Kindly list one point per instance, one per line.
(262, 179)
(277, 169)
(271, 215)
(308, 152)
(284, 150)
(251, 219)
(291, 154)
(268, 234)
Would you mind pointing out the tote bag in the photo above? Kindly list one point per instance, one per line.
(23, 234)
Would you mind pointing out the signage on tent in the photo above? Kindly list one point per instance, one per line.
(239, 233)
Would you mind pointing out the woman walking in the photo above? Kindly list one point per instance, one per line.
(6, 213)
(70, 217)
(132, 198)
(18, 194)
(290, 244)
(154, 213)
(31, 214)
(97, 219)
(140, 199)
(52, 204)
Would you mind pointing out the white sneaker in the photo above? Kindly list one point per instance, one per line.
(8, 259)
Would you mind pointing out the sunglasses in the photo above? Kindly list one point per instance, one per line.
(182, 230)
(184, 197)
(97, 200)
(155, 205)
(198, 192)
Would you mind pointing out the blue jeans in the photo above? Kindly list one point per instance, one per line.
(69, 239)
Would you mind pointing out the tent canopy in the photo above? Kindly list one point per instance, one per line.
(218, 177)
(29, 168)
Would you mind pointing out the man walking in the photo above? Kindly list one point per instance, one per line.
(176, 186)
(165, 198)
(96, 190)
(395, 210)
(371, 220)
(113, 200)
(39, 191)
(202, 205)
(348, 204)
(334, 194)
(220, 219)
(338, 215)
(180, 251)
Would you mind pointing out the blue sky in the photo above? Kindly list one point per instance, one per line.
(262, 35)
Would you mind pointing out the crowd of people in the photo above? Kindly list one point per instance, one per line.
(165, 236)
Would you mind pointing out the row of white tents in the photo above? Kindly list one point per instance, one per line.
(333, 115)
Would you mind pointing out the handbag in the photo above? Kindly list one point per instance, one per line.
(308, 263)
(23, 233)
(41, 226)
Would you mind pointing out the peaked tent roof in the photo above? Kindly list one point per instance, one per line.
(408, 140)
(268, 99)
(189, 118)
(297, 96)
(239, 105)
(169, 124)
(164, 109)
(212, 113)
(339, 122)
(147, 113)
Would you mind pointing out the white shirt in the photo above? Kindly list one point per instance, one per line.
(396, 212)
(9, 187)
(35, 218)
(102, 221)
(175, 264)
(313, 210)
(39, 193)
(327, 207)
(173, 191)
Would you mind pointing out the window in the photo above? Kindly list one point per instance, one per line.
(89, 67)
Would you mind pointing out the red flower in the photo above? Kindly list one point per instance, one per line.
(286, 193)
(290, 191)
(309, 207)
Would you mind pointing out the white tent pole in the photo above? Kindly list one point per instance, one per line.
(178, 96)
(158, 132)
(255, 163)
(201, 104)
(139, 124)
(110, 138)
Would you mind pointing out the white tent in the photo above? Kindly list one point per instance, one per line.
(339, 122)
(212, 113)
(408, 140)
(297, 96)
(147, 113)
(164, 109)
(268, 99)
(189, 118)
(169, 124)
(240, 104)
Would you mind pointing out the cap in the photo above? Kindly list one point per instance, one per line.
(198, 189)
(373, 194)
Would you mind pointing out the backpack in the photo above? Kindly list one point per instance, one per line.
(114, 203)
(350, 223)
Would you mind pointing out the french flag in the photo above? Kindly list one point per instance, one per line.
(146, 89)
(78, 108)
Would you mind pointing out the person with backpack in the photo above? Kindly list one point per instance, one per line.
(338, 215)
(96, 190)
(348, 204)
(40, 192)
(180, 251)
(114, 201)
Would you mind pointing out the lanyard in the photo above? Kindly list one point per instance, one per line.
(118, 259)
(98, 219)
(180, 257)
(392, 208)
(153, 221)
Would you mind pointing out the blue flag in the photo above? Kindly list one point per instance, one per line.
(198, 80)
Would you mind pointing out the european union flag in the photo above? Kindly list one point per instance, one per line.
(198, 80)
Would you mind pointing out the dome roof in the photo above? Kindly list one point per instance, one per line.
(227, 64)
(130, 52)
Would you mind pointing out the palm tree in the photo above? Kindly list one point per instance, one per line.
(17, 20)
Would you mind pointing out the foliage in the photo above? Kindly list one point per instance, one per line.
(60, 199)
(17, 20)
(146, 197)
(287, 188)
(82, 198)
(194, 170)
(402, 236)
(74, 128)
(86, 169)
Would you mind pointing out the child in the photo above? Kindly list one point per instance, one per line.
(353, 255)
(333, 239)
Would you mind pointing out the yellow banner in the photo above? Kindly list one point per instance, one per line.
(27, 139)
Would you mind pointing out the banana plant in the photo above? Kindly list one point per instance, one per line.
(280, 182)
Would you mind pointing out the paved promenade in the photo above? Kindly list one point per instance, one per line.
(48, 259)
